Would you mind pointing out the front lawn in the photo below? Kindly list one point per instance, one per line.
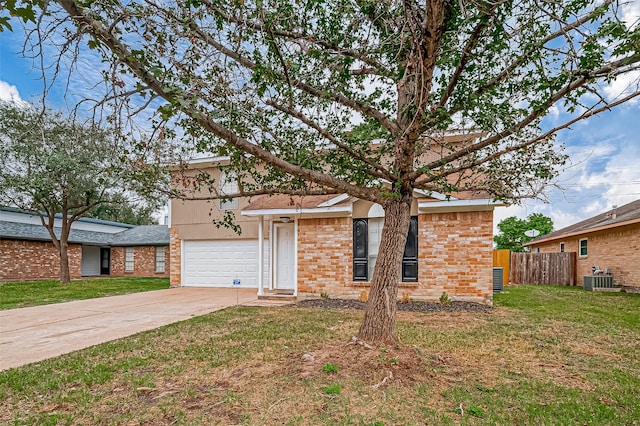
(32, 293)
(544, 356)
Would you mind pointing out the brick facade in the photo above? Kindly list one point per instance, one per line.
(617, 249)
(325, 256)
(144, 262)
(175, 256)
(455, 254)
(33, 260)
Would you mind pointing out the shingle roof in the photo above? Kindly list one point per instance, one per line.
(82, 219)
(27, 231)
(624, 214)
(144, 235)
(137, 236)
(283, 201)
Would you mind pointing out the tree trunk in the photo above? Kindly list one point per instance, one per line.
(65, 276)
(378, 325)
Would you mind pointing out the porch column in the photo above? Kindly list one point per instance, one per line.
(260, 256)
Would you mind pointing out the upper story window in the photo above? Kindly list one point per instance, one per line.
(583, 247)
(228, 185)
(561, 247)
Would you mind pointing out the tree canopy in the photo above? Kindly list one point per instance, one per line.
(359, 97)
(51, 165)
(513, 231)
(118, 208)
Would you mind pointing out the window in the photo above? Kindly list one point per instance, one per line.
(536, 250)
(228, 185)
(128, 259)
(366, 241)
(561, 247)
(583, 247)
(160, 259)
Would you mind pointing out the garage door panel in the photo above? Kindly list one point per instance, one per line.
(217, 263)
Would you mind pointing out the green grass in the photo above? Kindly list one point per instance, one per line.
(32, 293)
(545, 356)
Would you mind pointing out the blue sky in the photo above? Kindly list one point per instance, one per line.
(604, 151)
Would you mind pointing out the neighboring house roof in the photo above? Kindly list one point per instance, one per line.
(28, 231)
(624, 215)
(82, 219)
(144, 235)
(132, 235)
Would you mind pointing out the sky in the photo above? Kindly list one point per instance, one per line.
(604, 151)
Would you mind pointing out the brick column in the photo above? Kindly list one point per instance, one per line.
(175, 258)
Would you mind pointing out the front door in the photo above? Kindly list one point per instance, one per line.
(285, 274)
(105, 260)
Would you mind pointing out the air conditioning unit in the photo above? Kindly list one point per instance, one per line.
(498, 273)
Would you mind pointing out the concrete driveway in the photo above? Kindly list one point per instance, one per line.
(33, 334)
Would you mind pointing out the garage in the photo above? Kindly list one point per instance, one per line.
(218, 263)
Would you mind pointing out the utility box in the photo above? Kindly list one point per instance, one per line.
(596, 282)
(497, 280)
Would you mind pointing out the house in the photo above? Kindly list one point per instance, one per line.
(313, 245)
(610, 240)
(96, 248)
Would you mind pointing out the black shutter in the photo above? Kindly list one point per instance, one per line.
(360, 255)
(410, 259)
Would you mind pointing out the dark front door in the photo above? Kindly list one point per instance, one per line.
(105, 261)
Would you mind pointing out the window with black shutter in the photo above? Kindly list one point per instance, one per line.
(361, 268)
(360, 259)
(410, 259)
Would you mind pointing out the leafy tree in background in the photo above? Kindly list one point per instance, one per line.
(51, 165)
(358, 97)
(118, 208)
(512, 231)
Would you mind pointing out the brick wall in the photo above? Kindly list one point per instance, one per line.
(175, 249)
(456, 255)
(325, 256)
(617, 249)
(455, 252)
(31, 260)
(144, 262)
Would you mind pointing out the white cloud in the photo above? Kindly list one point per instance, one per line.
(630, 13)
(9, 93)
(604, 173)
(623, 85)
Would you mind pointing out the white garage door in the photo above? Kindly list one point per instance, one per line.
(218, 263)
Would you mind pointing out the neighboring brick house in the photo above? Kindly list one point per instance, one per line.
(307, 246)
(96, 248)
(610, 240)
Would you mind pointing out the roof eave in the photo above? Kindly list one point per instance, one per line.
(303, 213)
(458, 206)
(582, 232)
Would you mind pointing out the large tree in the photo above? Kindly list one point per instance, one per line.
(50, 165)
(515, 231)
(358, 96)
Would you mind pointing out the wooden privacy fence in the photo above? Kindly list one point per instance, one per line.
(502, 259)
(543, 268)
